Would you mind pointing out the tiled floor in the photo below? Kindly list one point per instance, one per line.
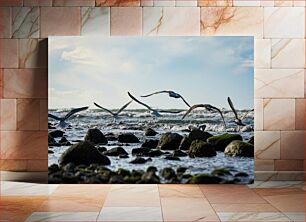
(171, 203)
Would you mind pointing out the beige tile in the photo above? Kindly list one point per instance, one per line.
(232, 21)
(25, 22)
(133, 196)
(163, 3)
(5, 22)
(171, 21)
(237, 3)
(253, 216)
(289, 165)
(263, 165)
(299, 3)
(267, 145)
(95, 21)
(187, 209)
(8, 53)
(267, 3)
(262, 53)
(33, 53)
(300, 114)
(126, 21)
(51, 17)
(292, 144)
(263, 207)
(43, 114)
(186, 3)
(258, 114)
(278, 19)
(277, 83)
(279, 114)
(146, 2)
(219, 3)
(283, 3)
(175, 191)
(37, 165)
(73, 2)
(8, 114)
(28, 114)
(283, 50)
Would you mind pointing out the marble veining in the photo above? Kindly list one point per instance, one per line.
(25, 22)
(63, 216)
(95, 21)
(252, 216)
(28, 48)
(267, 144)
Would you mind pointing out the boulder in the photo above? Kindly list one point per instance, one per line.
(169, 141)
(239, 148)
(197, 134)
(51, 141)
(185, 143)
(179, 153)
(140, 160)
(168, 173)
(95, 136)
(149, 177)
(102, 149)
(221, 172)
(83, 153)
(199, 148)
(140, 151)
(155, 153)
(116, 151)
(128, 138)
(221, 141)
(56, 133)
(175, 158)
(150, 132)
(150, 144)
(251, 140)
(64, 142)
(204, 179)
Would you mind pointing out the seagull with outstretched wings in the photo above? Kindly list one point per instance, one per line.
(238, 120)
(62, 120)
(114, 114)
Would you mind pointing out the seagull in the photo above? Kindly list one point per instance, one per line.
(237, 120)
(207, 107)
(62, 120)
(115, 114)
(171, 94)
(155, 112)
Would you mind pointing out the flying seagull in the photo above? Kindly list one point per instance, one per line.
(115, 114)
(62, 120)
(155, 112)
(207, 107)
(171, 94)
(237, 120)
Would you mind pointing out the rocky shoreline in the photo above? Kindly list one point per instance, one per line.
(87, 161)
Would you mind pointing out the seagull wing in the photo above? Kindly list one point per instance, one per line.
(123, 107)
(169, 111)
(54, 117)
(107, 110)
(232, 107)
(245, 115)
(163, 91)
(219, 111)
(192, 108)
(141, 103)
(74, 111)
(185, 101)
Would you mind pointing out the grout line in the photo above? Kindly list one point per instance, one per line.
(161, 208)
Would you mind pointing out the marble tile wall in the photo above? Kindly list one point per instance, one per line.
(277, 25)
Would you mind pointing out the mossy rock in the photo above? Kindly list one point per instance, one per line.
(199, 135)
(185, 143)
(221, 172)
(239, 148)
(170, 141)
(204, 179)
(167, 173)
(199, 148)
(221, 141)
(152, 144)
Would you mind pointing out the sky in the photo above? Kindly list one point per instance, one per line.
(83, 70)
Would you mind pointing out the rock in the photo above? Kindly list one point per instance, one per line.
(53, 168)
(239, 148)
(150, 132)
(155, 153)
(56, 133)
(123, 172)
(50, 151)
(70, 167)
(175, 158)
(181, 170)
(221, 141)
(111, 137)
(185, 143)
(64, 142)
(221, 172)
(241, 174)
(179, 153)
(51, 141)
(197, 134)
(199, 148)
(102, 149)
(83, 153)
(150, 178)
(128, 138)
(140, 151)
(170, 141)
(204, 179)
(150, 144)
(95, 136)
(116, 180)
(152, 168)
(116, 151)
(124, 156)
(168, 173)
(139, 160)
(251, 140)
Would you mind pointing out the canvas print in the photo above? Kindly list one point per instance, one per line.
(137, 110)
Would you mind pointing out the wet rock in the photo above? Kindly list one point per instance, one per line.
(111, 137)
(51, 141)
(140, 160)
(50, 126)
(150, 144)
(128, 138)
(155, 153)
(152, 168)
(197, 134)
(95, 136)
(69, 177)
(204, 179)
(199, 148)
(116, 151)
(239, 148)
(150, 132)
(53, 168)
(50, 151)
(64, 142)
(56, 133)
(221, 172)
(181, 170)
(141, 151)
(185, 143)
(221, 141)
(102, 149)
(170, 141)
(123, 172)
(251, 140)
(179, 153)
(69, 167)
(116, 180)
(175, 158)
(241, 174)
(149, 178)
(83, 153)
(167, 173)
